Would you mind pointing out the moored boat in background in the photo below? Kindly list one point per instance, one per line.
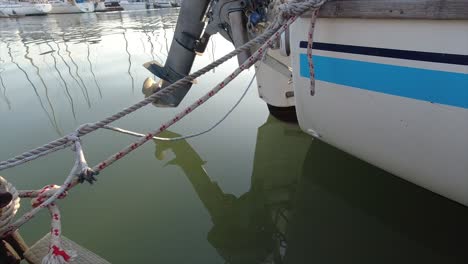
(162, 4)
(135, 5)
(24, 8)
(71, 6)
(176, 3)
(100, 6)
(110, 5)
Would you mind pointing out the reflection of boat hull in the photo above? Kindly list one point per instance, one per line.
(67, 8)
(394, 96)
(343, 204)
(24, 9)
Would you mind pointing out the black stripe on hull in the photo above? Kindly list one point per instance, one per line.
(392, 53)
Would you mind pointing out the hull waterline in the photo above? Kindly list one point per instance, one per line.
(393, 93)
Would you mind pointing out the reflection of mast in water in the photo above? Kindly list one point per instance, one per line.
(129, 59)
(4, 89)
(46, 89)
(152, 46)
(161, 46)
(155, 36)
(144, 46)
(159, 25)
(163, 26)
(146, 30)
(92, 71)
(32, 85)
(128, 53)
(74, 64)
(165, 37)
(67, 91)
(84, 91)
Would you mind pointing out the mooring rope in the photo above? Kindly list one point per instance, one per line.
(57, 254)
(136, 134)
(286, 11)
(58, 143)
(310, 42)
(82, 172)
(289, 10)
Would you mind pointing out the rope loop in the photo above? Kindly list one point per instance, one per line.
(12, 200)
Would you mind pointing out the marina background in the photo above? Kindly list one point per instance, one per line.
(57, 72)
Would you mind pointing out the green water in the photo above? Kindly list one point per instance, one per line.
(254, 190)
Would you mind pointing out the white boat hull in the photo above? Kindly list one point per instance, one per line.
(162, 4)
(391, 92)
(24, 9)
(67, 8)
(129, 6)
(100, 6)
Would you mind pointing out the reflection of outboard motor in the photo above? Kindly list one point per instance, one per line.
(225, 16)
(251, 228)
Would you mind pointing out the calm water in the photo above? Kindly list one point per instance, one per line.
(254, 190)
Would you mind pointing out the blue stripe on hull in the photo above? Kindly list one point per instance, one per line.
(440, 87)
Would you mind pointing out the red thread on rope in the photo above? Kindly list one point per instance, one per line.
(119, 155)
(102, 165)
(58, 252)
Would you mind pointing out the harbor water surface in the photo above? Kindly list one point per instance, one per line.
(253, 190)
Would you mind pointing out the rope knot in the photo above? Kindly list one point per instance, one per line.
(45, 193)
(74, 138)
(87, 174)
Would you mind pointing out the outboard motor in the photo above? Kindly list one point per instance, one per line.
(225, 16)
